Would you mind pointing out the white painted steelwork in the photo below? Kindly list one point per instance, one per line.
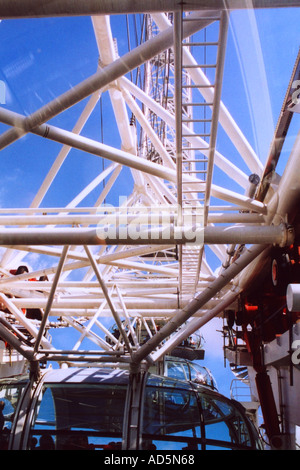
(143, 259)
(168, 255)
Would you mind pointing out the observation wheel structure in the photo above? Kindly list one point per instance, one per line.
(139, 200)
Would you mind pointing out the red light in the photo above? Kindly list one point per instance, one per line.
(251, 308)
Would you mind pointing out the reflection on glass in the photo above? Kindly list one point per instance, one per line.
(194, 418)
(176, 370)
(223, 421)
(172, 413)
(10, 393)
(202, 376)
(182, 369)
(79, 418)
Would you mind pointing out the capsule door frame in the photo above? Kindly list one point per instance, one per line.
(24, 414)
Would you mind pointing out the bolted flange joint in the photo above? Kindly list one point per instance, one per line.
(288, 235)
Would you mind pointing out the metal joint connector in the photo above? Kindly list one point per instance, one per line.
(288, 235)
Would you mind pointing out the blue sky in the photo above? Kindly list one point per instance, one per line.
(36, 63)
(42, 58)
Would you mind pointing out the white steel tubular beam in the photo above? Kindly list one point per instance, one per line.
(286, 199)
(100, 79)
(122, 218)
(137, 266)
(8, 336)
(91, 146)
(116, 216)
(198, 302)
(125, 272)
(86, 330)
(228, 167)
(61, 156)
(125, 312)
(124, 158)
(93, 184)
(50, 299)
(134, 313)
(240, 234)
(216, 109)
(23, 320)
(107, 297)
(90, 334)
(115, 259)
(195, 324)
(225, 118)
(93, 301)
(178, 103)
(65, 150)
(34, 9)
(147, 128)
(108, 55)
(144, 285)
(168, 235)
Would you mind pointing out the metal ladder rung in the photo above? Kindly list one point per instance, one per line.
(195, 198)
(193, 190)
(196, 135)
(192, 256)
(208, 43)
(194, 171)
(192, 262)
(188, 202)
(199, 66)
(191, 201)
(197, 148)
(198, 86)
(198, 104)
(196, 120)
(186, 18)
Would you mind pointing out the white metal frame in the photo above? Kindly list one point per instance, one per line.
(136, 278)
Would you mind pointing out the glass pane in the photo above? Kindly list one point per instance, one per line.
(217, 447)
(10, 394)
(171, 444)
(175, 370)
(171, 412)
(80, 417)
(200, 375)
(224, 422)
